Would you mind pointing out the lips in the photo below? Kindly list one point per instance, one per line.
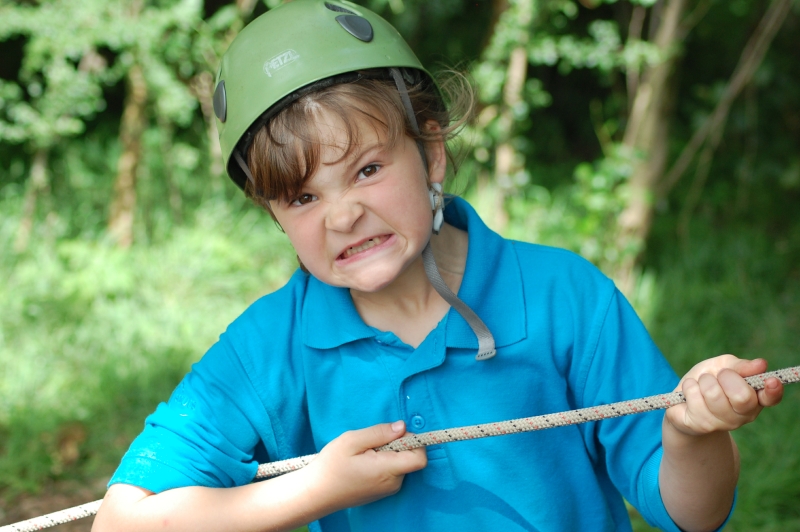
(363, 246)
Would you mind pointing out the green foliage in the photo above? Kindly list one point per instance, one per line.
(60, 90)
(111, 331)
(66, 67)
(580, 216)
(603, 50)
(729, 292)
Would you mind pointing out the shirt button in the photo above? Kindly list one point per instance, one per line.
(417, 422)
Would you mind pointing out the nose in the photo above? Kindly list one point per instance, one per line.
(343, 215)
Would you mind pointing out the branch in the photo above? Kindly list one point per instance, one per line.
(749, 61)
(634, 34)
(649, 93)
(694, 17)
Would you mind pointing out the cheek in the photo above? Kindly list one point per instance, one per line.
(301, 235)
(305, 243)
(411, 201)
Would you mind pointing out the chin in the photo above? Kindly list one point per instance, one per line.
(370, 286)
(372, 281)
(366, 283)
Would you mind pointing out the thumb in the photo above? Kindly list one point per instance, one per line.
(375, 436)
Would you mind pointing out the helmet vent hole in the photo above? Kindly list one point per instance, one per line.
(339, 9)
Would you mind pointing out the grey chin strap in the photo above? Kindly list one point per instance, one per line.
(486, 349)
(412, 118)
(244, 167)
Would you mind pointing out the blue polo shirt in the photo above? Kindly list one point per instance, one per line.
(300, 367)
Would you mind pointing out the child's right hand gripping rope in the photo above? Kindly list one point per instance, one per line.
(413, 441)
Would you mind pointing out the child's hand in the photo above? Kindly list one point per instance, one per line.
(348, 472)
(718, 398)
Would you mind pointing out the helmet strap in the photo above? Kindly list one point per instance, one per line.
(486, 345)
(244, 168)
(412, 117)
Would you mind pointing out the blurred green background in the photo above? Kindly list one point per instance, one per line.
(659, 139)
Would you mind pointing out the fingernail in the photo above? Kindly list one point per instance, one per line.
(772, 384)
(397, 426)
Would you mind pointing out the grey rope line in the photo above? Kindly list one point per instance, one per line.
(486, 344)
(530, 424)
(54, 519)
(414, 441)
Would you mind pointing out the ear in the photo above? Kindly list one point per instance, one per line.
(436, 153)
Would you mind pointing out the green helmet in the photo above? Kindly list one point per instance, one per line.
(289, 51)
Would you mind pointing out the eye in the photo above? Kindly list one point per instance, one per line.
(368, 171)
(303, 199)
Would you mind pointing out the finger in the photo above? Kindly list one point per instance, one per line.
(748, 368)
(696, 417)
(359, 441)
(740, 395)
(772, 394)
(402, 462)
(715, 365)
(717, 403)
(708, 408)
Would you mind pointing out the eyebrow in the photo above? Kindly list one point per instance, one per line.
(358, 153)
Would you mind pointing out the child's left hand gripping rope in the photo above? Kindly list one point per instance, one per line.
(413, 441)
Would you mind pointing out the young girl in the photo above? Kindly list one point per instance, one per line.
(329, 121)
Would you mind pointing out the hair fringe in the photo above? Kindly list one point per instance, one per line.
(285, 152)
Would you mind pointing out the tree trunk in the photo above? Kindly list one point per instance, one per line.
(36, 185)
(507, 161)
(749, 61)
(515, 18)
(123, 206)
(202, 87)
(648, 128)
(175, 199)
(647, 135)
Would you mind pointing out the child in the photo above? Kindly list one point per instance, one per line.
(328, 120)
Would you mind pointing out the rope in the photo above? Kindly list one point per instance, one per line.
(55, 518)
(414, 441)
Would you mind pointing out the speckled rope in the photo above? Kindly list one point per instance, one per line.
(54, 519)
(414, 441)
(529, 424)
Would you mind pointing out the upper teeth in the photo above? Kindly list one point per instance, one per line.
(366, 245)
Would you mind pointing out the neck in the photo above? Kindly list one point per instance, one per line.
(410, 307)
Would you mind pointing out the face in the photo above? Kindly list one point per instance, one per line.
(361, 221)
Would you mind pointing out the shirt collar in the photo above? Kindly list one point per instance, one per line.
(492, 287)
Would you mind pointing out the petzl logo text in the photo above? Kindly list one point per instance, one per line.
(280, 61)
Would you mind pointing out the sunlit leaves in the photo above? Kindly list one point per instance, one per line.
(603, 51)
(75, 49)
(580, 216)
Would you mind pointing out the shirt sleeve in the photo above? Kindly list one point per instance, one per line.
(205, 435)
(626, 364)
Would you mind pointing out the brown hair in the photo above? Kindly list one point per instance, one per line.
(285, 152)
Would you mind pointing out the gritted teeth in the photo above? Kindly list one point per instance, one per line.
(372, 242)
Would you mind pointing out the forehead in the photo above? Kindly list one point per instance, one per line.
(340, 138)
